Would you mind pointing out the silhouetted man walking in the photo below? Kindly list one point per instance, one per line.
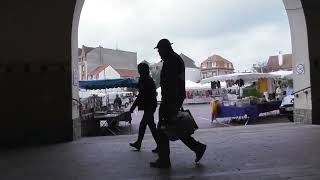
(172, 82)
(147, 101)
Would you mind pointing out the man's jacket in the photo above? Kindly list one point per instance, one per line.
(172, 82)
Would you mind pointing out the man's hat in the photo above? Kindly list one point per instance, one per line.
(163, 43)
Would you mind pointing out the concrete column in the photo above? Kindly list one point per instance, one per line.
(300, 55)
(312, 16)
(36, 71)
(75, 70)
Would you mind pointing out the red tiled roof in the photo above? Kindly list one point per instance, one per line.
(273, 62)
(98, 69)
(220, 62)
(127, 73)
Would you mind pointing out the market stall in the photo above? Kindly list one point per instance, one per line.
(196, 93)
(282, 74)
(237, 76)
(284, 84)
(105, 118)
(248, 105)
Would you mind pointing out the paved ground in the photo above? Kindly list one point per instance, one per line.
(270, 151)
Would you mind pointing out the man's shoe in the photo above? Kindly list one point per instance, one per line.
(156, 150)
(200, 152)
(136, 145)
(161, 164)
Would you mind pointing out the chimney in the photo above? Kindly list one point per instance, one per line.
(280, 57)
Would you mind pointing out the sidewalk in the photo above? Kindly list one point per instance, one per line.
(272, 151)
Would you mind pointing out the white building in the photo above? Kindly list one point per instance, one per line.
(108, 72)
(193, 73)
(216, 65)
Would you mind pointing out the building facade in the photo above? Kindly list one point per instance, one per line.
(92, 60)
(192, 72)
(103, 72)
(275, 63)
(214, 66)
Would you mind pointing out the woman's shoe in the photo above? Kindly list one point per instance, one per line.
(135, 145)
(156, 150)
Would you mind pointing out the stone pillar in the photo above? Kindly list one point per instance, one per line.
(300, 55)
(75, 70)
(36, 72)
(312, 16)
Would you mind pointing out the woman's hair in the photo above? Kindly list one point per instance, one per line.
(143, 68)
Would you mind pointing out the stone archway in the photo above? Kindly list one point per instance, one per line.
(312, 16)
(299, 35)
(39, 73)
(300, 55)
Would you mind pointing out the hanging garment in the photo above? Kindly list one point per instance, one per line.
(263, 85)
(218, 84)
(237, 82)
(213, 85)
(214, 105)
(241, 82)
(270, 86)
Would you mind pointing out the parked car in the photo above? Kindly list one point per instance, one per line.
(287, 106)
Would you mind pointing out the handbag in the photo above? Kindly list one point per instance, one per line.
(181, 125)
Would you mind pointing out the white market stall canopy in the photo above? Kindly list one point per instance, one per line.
(289, 76)
(283, 74)
(237, 76)
(190, 85)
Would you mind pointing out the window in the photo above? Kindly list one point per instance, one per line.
(209, 64)
(204, 75)
(215, 64)
(226, 65)
(203, 65)
(214, 73)
(83, 69)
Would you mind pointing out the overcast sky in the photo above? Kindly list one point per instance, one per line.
(242, 31)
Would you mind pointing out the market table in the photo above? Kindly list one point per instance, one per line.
(92, 125)
(112, 119)
(268, 106)
(252, 111)
(233, 111)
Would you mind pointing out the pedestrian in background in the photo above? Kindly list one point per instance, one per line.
(146, 101)
(213, 108)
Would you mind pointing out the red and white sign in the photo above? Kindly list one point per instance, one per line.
(300, 69)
